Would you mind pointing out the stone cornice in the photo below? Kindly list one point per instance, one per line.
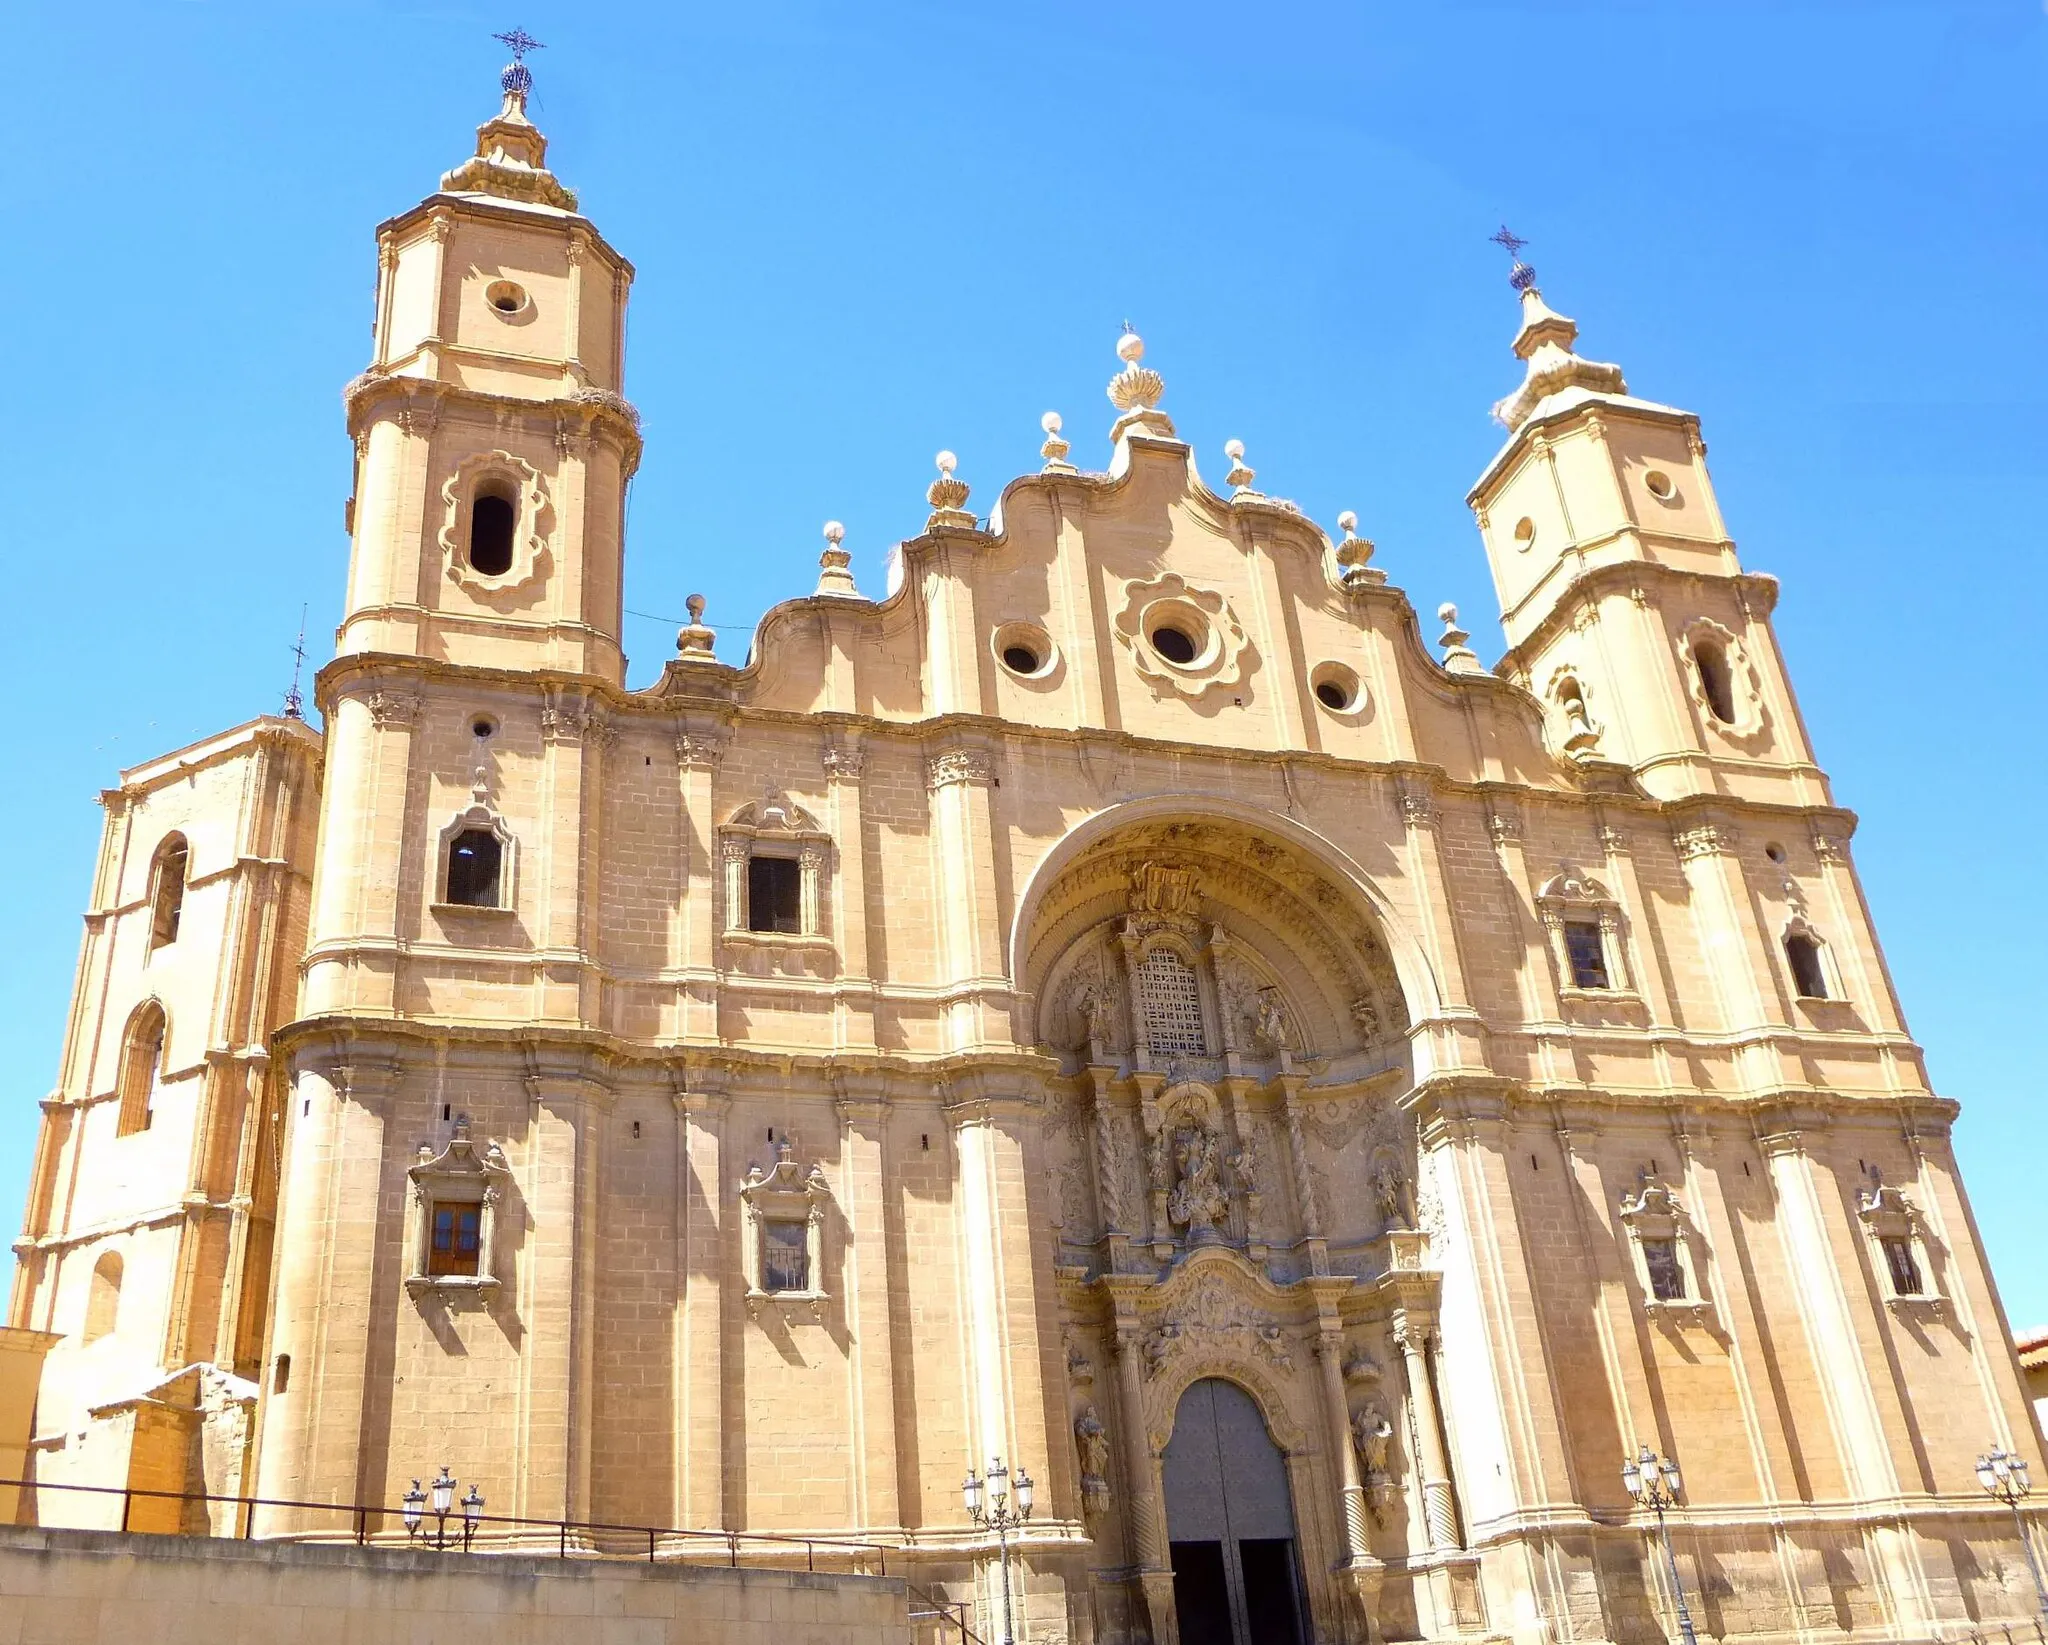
(913, 739)
(1759, 588)
(393, 228)
(597, 407)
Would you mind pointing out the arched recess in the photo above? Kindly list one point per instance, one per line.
(142, 1066)
(1163, 813)
(1185, 937)
(103, 1297)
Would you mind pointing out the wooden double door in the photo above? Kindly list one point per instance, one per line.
(1230, 1521)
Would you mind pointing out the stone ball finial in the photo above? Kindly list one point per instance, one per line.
(835, 533)
(1447, 613)
(1347, 522)
(1234, 450)
(694, 605)
(948, 495)
(694, 640)
(1130, 347)
(1241, 473)
(1055, 449)
(947, 462)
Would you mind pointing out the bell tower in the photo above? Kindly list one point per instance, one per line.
(1625, 607)
(493, 443)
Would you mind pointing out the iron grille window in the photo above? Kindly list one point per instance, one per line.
(1905, 1267)
(1172, 1002)
(1667, 1279)
(785, 1256)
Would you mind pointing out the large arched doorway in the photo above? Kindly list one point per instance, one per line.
(1230, 1523)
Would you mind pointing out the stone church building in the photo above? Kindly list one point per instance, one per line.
(1125, 1002)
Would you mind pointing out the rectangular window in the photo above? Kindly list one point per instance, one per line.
(775, 895)
(1667, 1278)
(1586, 948)
(1904, 1265)
(1171, 1000)
(785, 1256)
(458, 1240)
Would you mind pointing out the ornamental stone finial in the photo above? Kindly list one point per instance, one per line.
(1055, 449)
(1241, 474)
(1352, 554)
(1459, 657)
(835, 575)
(947, 494)
(694, 638)
(1136, 390)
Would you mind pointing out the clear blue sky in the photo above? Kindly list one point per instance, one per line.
(864, 233)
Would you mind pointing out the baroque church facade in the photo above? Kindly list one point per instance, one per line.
(1118, 1003)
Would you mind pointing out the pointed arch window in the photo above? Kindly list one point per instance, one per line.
(103, 1298)
(167, 891)
(142, 1063)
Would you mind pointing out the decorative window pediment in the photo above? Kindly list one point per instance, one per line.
(451, 1235)
(1898, 1246)
(784, 1249)
(1587, 936)
(478, 853)
(1661, 1241)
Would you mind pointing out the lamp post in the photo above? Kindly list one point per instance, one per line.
(443, 1498)
(2004, 1476)
(996, 1514)
(1653, 1481)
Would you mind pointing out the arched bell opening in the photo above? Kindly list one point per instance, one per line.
(1230, 1523)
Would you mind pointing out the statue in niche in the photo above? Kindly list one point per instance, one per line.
(1197, 1202)
(1365, 1012)
(1390, 1195)
(1247, 1165)
(1374, 1435)
(1091, 1442)
(1270, 1026)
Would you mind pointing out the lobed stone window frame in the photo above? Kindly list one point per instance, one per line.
(460, 1174)
(533, 512)
(1886, 1214)
(775, 826)
(1745, 689)
(784, 1194)
(1572, 895)
(1654, 1212)
(482, 817)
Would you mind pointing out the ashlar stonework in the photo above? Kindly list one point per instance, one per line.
(1118, 974)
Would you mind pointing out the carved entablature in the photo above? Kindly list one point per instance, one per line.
(452, 1223)
(783, 1251)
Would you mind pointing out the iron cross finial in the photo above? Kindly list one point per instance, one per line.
(1521, 276)
(519, 43)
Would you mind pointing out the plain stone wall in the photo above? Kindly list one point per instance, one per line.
(85, 1587)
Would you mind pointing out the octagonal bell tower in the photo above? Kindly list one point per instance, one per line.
(493, 443)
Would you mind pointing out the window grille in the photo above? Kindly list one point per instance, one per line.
(1172, 1003)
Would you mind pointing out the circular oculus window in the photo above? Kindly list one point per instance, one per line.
(1337, 688)
(508, 297)
(1525, 532)
(1025, 649)
(1659, 485)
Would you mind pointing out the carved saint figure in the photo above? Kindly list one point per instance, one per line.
(1197, 1202)
(1373, 1434)
(1390, 1194)
(1247, 1165)
(1091, 1442)
(1270, 1025)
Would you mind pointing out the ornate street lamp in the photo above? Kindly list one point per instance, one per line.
(1653, 1481)
(443, 1498)
(995, 1514)
(2004, 1476)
